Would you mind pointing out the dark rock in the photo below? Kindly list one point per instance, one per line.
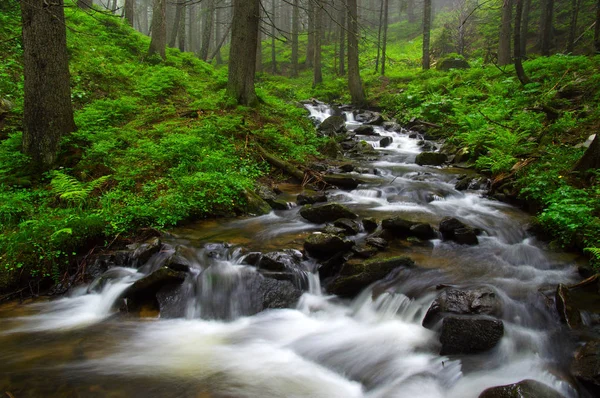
(363, 148)
(463, 184)
(365, 130)
(348, 145)
(279, 294)
(280, 261)
(385, 142)
(252, 258)
(331, 149)
(567, 311)
(143, 292)
(326, 213)
(426, 145)
(523, 389)
(379, 243)
(473, 183)
(325, 245)
(143, 251)
(254, 204)
(278, 204)
(452, 63)
(398, 226)
(347, 168)
(423, 231)
(332, 266)
(350, 227)
(332, 230)
(318, 166)
(356, 275)
(265, 193)
(431, 159)
(310, 199)
(370, 224)
(456, 230)
(586, 366)
(181, 259)
(368, 117)
(392, 126)
(332, 126)
(365, 251)
(466, 236)
(413, 135)
(469, 335)
(171, 301)
(470, 301)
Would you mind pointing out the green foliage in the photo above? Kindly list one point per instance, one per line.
(72, 191)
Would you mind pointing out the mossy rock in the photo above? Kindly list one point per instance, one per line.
(431, 159)
(328, 212)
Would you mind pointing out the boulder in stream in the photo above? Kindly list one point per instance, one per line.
(350, 227)
(469, 334)
(143, 292)
(385, 142)
(567, 311)
(282, 261)
(454, 229)
(431, 159)
(369, 118)
(398, 226)
(143, 251)
(586, 366)
(332, 126)
(365, 130)
(328, 212)
(469, 301)
(310, 198)
(326, 245)
(357, 274)
(370, 224)
(524, 389)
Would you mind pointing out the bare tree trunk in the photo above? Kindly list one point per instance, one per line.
(207, 27)
(573, 26)
(310, 47)
(129, 11)
(179, 13)
(504, 39)
(385, 31)
(273, 41)
(259, 37)
(410, 10)
(342, 44)
(426, 33)
(318, 17)
(354, 81)
(525, 27)
(158, 40)
(517, 44)
(591, 158)
(47, 110)
(84, 4)
(546, 26)
(181, 31)
(597, 29)
(242, 54)
(295, 33)
(380, 27)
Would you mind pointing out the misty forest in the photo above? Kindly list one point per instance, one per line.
(300, 198)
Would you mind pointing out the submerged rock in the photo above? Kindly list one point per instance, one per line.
(431, 159)
(454, 229)
(523, 389)
(470, 301)
(143, 251)
(469, 335)
(280, 261)
(332, 126)
(586, 366)
(365, 130)
(143, 292)
(326, 245)
(326, 213)
(385, 142)
(310, 198)
(356, 275)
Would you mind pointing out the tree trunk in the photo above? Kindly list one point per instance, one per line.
(129, 11)
(342, 44)
(158, 40)
(318, 18)
(597, 29)
(504, 39)
(385, 31)
(573, 25)
(207, 27)
(426, 33)
(354, 82)
(310, 47)
(546, 27)
(47, 109)
(181, 31)
(273, 41)
(525, 28)
(295, 33)
(410, 10)
(179, 13)
(242, 54)
(591, 157)
(517, 43)
(84, 4)
(380, 27)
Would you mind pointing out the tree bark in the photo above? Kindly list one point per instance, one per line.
(84, 4)
(591, 157)
(354, 82)
(342, 44)
(179, 13)
(597, 29)
(525, 27)
(208, 12)
(273, 40)
(385, 31)
(310, 46)
(318, 17)
(379, 29)
(158, 39)
(546, 26)
(129, 11)
(295, 33)
(426, 33)
(573, 25)
(517, 44)
(47, 110)
(504, 38)
(242, 54)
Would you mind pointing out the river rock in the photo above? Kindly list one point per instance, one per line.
(143, 291)
(310, 198)
(328, 212)
(370, 224)
(326, 245)
(347, 168)
(281, 261)
(254, 204)
(431, 159)
(586, 366)
(182, 259)
(567, 311)
(364, 251)
(143, 251)
(473, 183)
(469, 335)
(350, 227)
(332, 126)
(423, 231)
(278, 294)
(385, 142)
(398, 226)
(454, 229)
(364, 149)
(355, 274)
(365, 130)
(392, 126)
(368, 117)
(523, 389)
(469, 301)
(377, 242)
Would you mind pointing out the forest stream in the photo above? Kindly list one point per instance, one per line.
(373, 345)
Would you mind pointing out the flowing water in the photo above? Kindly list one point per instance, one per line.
(372, 346)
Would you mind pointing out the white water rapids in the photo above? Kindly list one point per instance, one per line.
(373, 346)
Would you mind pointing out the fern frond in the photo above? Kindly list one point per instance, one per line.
(594, 251)
(71, 190)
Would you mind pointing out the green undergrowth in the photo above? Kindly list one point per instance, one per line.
(158, 143)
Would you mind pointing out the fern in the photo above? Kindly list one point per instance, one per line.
(594, 251)
(73, 191)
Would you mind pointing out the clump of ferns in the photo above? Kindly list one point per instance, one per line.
(595, 256)
(72, 191)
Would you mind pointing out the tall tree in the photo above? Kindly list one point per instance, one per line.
(385, 31)
(504, 38)
(318, 18)
(597, 28)
(208, 11)
(273, 39)
(47, 110)
(517, 43)
(575, 4)
(177, 22)
(342, 45)
(426, 33)
(310, 46)
(129, 11)
(242, 52)
(546, 26)
(158, 38)
(525, 27)
(354, 82)
(295, 33)
(84, 4)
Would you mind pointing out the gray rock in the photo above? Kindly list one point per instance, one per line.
(456, 230)
(280, 261)
(385, 142)
(586, 365)
(431, 159)
(423, 231)
(332, 126)
(523, 389)
(469, 335)
(143, 291)
(364, 251)
(370, 224)
(311, 198)
(365, 130)
(326, 245)
(452, 63)
(398, 226)
(143, 251)
(379, 243)
(350, 227)
(328, 212)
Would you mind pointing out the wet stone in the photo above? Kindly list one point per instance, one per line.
(523, 389)
(385, 142)
(326, 213)
(326, 245)
(310, 199)
(431, 159)
(370, 224)
(469, 335)
(379, 243)
(586, 365)
(143, 251)
(280, 261)
(350, 227)
(365, 130)
(423, 231)
(566, 309)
